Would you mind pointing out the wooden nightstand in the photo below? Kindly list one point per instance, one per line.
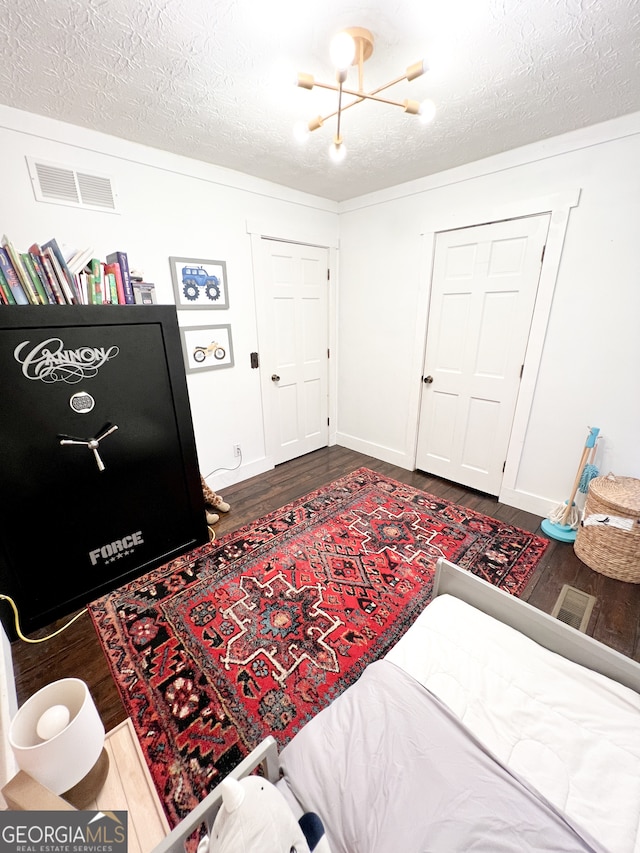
(128, 787)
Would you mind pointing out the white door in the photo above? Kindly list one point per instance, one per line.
(295, 348)
(483, 292)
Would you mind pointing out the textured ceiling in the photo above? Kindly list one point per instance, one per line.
(212, 79)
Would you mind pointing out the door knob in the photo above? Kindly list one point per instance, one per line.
(275, 377)
(427, 380)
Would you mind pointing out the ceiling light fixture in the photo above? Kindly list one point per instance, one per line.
(353, 47)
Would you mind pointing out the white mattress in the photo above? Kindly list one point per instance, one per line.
(574, 734)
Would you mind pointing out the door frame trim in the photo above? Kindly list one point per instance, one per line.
(559, 205)
(257, 235)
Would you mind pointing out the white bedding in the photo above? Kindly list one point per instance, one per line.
(574, 734)
(390, 768)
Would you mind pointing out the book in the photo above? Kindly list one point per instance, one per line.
(115, 270)
(91, 295)
(53, 280)
(61, 279)
(49, 272)
(83, 286)
(122, 260)
(44, 278)
(27, 262)
(79, 260)
(12, 278)
(64, 269)
(96, 281)
(111, 287)
(23, 276)
(144, 292)
(7, 294)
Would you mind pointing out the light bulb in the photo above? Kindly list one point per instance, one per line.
(301, 131)
(342, 50)
(54, 720)
(427, 111)
(337, 151)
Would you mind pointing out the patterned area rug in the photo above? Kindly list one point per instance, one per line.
(256, 632)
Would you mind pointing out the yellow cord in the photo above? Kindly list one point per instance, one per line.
(42, 639)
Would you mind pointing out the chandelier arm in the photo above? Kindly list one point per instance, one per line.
(335, 112)
(331, 86)
(338, 138)
(359, 100)
(361, 96)
(387, 85)
(360, 64)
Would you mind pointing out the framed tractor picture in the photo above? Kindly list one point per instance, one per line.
(206, 347)
(199, 283)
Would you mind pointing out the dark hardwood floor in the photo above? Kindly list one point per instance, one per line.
(77, 652)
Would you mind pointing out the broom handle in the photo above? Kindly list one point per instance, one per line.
(583, 461)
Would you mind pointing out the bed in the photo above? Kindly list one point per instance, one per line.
(489, 726)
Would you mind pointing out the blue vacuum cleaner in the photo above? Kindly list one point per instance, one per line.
(563, 521)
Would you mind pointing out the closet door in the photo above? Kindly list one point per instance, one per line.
(294, 335)
(99, 479)
(483, 293)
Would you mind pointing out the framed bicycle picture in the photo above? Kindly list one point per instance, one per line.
(199, 283)
(207, 347)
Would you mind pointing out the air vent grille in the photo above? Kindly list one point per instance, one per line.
(56, 183)
(574, 607)
(59, 184)
(96, 191)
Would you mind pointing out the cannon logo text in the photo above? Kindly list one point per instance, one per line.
(49, 361)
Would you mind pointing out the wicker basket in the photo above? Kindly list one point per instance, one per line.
(608, 540)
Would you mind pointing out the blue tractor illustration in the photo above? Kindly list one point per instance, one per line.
(196, 278)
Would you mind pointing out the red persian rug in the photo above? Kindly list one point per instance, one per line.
(258, 631)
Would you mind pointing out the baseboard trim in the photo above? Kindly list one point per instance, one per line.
(526, 501)
(220, 481)
(534, 504)
(378, 451)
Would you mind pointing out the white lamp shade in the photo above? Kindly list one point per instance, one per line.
(65, 759)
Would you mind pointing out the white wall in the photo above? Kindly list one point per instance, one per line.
(175, 206)
(590, 349)
(169, 205)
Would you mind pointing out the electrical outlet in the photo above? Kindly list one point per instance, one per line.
(236, 450)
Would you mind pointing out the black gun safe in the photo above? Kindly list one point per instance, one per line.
(99, 476)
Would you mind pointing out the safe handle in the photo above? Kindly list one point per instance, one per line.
(91, 443)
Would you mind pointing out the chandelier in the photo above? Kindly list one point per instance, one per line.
(354, 46)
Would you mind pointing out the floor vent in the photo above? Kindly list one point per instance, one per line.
(574, 607)
(58, 184)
